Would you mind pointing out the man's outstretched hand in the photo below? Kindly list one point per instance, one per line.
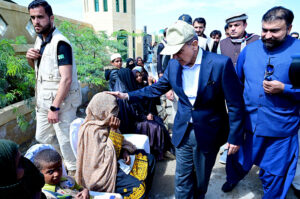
(232, 149)
(118, 94)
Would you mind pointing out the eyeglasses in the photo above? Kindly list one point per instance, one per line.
(269, 71)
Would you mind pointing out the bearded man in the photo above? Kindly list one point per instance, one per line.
(272, 107)
(57, 88)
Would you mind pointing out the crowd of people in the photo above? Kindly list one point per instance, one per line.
(240, 91)
(234, 94)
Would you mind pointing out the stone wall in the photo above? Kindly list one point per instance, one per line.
(9, 128)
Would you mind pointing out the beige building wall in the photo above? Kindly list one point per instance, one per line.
(139, 44)
(111, 20)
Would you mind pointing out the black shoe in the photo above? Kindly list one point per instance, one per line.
(296, 191)
(227, 186)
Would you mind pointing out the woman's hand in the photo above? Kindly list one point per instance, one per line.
(114, 123)
(126, 157)
(149, 116)
(84, 194)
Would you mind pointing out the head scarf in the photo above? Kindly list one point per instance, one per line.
(137, 61)
(26, 187)
(134, 73)
(130, 66)
(96, 156)
(127, 79)
(8, 154)
(138, 68)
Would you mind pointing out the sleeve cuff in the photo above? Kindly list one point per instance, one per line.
(287, 89)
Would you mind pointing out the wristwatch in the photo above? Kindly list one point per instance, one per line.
(53, 108)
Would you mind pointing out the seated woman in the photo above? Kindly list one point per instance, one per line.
(100, 145)
(19, 177)
(150, 124)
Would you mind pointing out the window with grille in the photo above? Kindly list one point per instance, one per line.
(124, 6)
(96, 5)
(117, 6)
(105, 8)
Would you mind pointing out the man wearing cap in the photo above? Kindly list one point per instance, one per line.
(187, 18)
(202, 81)
(272, 108)
(238, 37)
(111, 72)
(57, 89)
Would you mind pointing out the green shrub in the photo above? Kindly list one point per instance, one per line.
(91, 50)
(16, 76)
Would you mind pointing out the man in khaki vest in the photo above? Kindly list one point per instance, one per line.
(57, 89)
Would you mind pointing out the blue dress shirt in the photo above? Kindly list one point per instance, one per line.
(190, 78)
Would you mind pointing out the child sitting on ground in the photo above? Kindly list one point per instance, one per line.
(49, 162)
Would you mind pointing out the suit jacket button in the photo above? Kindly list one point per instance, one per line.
(193, 109)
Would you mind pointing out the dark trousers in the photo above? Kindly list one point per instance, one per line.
(193, 168)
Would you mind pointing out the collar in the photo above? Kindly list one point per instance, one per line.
(204, 36)
(243, 39)
(198, 60)
(49, 36)
(110, 68)
(50, 187)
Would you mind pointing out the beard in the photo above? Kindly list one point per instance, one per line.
(199, 33)
(44, 29)
(273, 43)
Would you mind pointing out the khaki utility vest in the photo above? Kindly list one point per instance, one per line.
(48, 76)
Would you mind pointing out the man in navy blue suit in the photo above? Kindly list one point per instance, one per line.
(203, 82)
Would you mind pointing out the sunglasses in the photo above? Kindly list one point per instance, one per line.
(269, 71)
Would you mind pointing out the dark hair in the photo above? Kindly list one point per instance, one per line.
(226, 27)
(47, 155)
(279, 13)
(216, 32)
(44, 4)
(200, 20)
(134, 72)
(138, 59)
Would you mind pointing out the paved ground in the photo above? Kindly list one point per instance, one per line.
(248, 188)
